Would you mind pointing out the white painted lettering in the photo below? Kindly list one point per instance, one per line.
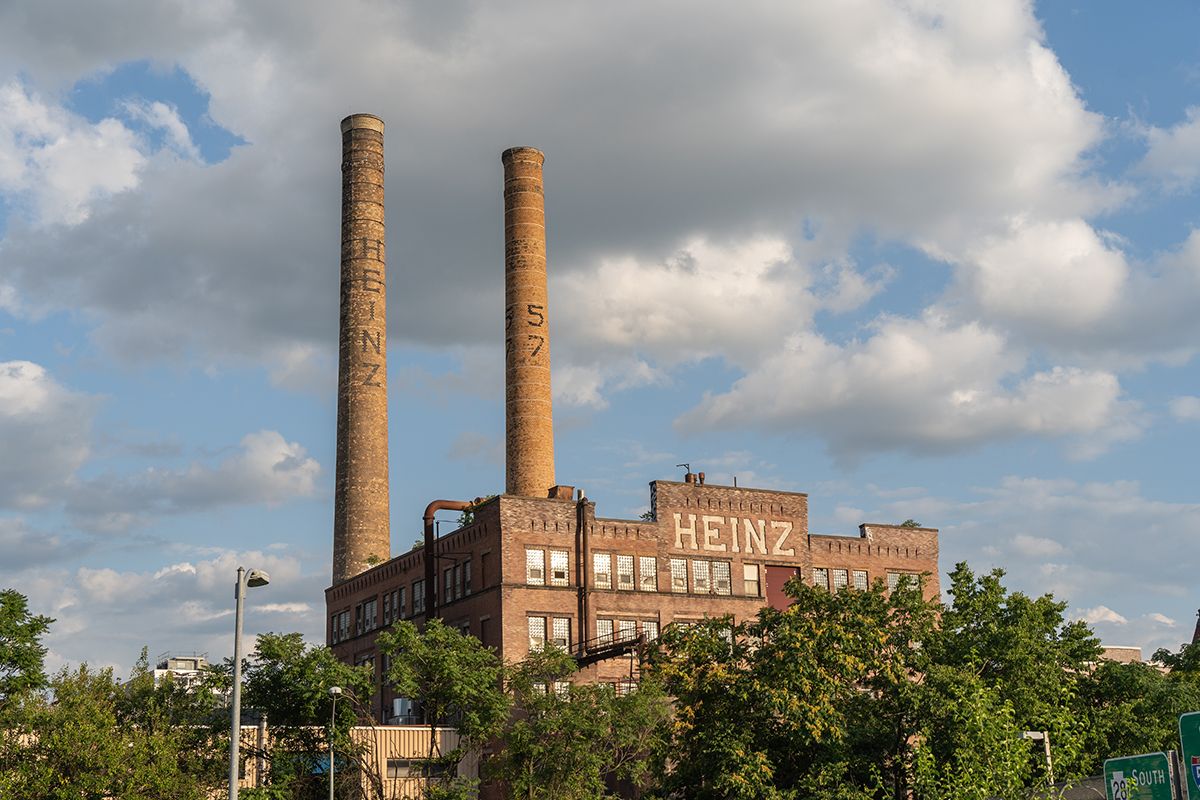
(755, 537)
(680, 531)
(786, 527)
(712, 534)
(733, 526)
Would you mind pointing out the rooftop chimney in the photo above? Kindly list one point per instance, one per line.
(529, 423)
(361, 537)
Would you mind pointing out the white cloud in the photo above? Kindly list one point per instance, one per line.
(919, 385)
(1185, 408)
(60, 162)
(267, 470)
(44, 430)
(1161, 619)
(1173, 154)
(1036, 546)
(160, 116)
(1100, 614)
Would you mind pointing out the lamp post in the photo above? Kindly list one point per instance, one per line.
(334, 692)
(245, 578)
(1044, 738)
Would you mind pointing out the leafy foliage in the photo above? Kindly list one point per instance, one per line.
(576, 745)
(21, 649)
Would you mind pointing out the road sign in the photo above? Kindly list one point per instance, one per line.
(1144, 777)
(1189, 739)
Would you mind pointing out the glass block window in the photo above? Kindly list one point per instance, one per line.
(602, 570)
(650, 629)
(648, 573)
(897, 579)
(840, 579)
(860, 580)
(558, 568)
(604, 631)
(561, 632)
(750, 576)
(679, 575)
(562, 689)
(537, 634)
(701, 583)
(625, 572)
(820, 577)
(535, 567)
(626, 630)
(720, 576)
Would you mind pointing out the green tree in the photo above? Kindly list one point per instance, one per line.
(453, 678)
(96, 740)
(289, 681)
(577, 744)
(21, 649)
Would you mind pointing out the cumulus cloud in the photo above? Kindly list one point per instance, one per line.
(918, 385)
(1185, 408)
(160, 116)
(267, 469)
(59, 163)
(106, 615)
(1173, 154)
(44, 432)
(1101, 614)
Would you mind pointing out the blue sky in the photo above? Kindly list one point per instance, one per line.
(921, 260)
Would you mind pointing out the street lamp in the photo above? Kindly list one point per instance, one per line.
(1044, 738)
(334, 691)
(254, 577)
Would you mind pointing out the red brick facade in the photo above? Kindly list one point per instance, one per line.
(708, 551)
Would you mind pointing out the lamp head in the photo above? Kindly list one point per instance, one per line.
(257, 577)
(334, 691)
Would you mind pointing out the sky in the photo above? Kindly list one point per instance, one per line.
(922, 260)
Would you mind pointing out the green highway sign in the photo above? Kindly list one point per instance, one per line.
(1144, 777)
(1189, 739)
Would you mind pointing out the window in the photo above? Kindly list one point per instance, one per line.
(339, 625)
(604, 631)
(400, 768)
(561, 633)
(448, 582)
(750, 576)
(387, 608)
(648, 573)
(358, 619)
(625, 687)
(679, 575)
(458, 580)
(466, 584)
(650, 629)
(535, 567)
(720, 575)
(562, 689)
(400, 598)
(820, 577)
(625, 573)
(700, 577)
(558, 568)
(626, 630)
(365, 659)
(860, 580)
(897, 579)
(602, 570)
(537, 634)
(840, 579)
(417, 768)
(371, 613)
(418, 597)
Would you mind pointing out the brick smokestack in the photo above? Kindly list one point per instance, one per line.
(361, 536)
(529, 424)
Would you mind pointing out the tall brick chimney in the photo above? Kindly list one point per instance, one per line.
(361, 536)
(529, 423)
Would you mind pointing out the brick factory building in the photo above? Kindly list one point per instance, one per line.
(536, 564)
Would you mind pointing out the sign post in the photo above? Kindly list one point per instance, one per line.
(1149, 776)
(1189, 740)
